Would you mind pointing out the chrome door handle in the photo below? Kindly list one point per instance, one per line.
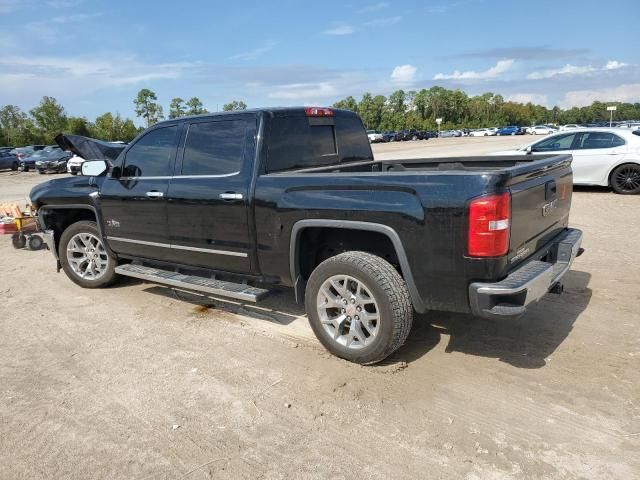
(154, 194)
(231, 196)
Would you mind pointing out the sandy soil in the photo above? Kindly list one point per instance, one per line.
(140, 381)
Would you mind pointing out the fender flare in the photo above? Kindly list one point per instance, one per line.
(74, 206)
(390, 233)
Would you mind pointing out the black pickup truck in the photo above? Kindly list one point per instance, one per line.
(231, 204)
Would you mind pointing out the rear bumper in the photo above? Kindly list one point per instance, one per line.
(510, 297)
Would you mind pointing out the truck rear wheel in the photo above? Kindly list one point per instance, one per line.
(359, 307)
(83, 256)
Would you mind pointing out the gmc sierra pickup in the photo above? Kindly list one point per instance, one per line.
(231, 203)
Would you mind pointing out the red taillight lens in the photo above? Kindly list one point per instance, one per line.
(489, 222)
(318, 112)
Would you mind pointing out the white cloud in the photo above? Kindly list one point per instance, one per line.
(380, 22)
(568, 69)
(300, 91)
(498, 69)
(614, 65)
(622, 93)
(253, 54)
(340, 30)
(403, 74)
(537, 98)
(573, 70)
(374, 8)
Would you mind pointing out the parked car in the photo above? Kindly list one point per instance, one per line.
(74, 164)
(450, 133)
(509, 130)
(23, 152)
(52, 160)
(361, 242)
(568, 126)
(480, 132)
(609, 157)
(388, 136)
(541, 130)
(8, 160)
(375, 136)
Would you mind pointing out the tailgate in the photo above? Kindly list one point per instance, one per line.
(540, 204)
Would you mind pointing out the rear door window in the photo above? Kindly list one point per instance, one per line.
(214, 148)
(299, 142)
(592, 140)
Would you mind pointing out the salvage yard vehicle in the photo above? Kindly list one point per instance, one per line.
(231, 204)
(8, 160)
(53, 160)
(608, 157)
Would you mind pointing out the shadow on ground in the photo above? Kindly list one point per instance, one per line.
(524, 343)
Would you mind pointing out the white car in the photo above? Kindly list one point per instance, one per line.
(74, 164)
(481, 132)
(541, 130)
(375, 136)
(569, 126)
(609, 157)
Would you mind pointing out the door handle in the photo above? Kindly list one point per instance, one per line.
(154, 194)
(231, 196)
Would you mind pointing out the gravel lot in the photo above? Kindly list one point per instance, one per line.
(140, 381)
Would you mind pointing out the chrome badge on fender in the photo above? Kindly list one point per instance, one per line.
(547, 208)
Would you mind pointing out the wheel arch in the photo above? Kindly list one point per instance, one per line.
(295, 262)
(58, 217)
(631, 161)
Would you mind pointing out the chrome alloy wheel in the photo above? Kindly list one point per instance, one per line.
(87, 256)
(348, 311)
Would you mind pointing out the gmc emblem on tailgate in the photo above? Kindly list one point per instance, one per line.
(547, 208)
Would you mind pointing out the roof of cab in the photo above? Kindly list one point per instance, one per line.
(271, 111)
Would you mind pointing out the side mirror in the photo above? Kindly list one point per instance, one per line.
(529, 149)
(94, 168)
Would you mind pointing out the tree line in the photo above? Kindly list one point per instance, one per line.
(42, 123)
(400, 110)
(419, 109)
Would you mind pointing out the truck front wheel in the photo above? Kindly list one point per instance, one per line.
(83, 256)
(359, 307)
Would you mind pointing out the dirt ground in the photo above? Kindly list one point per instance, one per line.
(140, 381)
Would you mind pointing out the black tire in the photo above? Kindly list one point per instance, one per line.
(625, 179)
(388, 289)
(14, 166)
(25, 169)
(18, 240)
(34, 242)
(84, 226)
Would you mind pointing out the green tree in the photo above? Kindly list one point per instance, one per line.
(234, 105)
(195, 106)
(348, 103)
(12, 122)
(177, 108)
(129, 131)
(146, 106)
(79, 126)
(49, 118)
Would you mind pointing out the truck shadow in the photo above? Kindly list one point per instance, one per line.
(524, 343)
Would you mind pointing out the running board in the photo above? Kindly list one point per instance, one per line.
(239, 291)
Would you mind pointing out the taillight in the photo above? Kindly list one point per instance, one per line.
(318, 112)
(489, 220)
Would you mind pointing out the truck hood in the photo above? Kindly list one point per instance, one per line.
(90, 148)
(68, 190)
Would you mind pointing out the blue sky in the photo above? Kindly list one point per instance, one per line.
(94, 56)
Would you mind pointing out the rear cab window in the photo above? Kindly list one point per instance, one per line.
(298, 141)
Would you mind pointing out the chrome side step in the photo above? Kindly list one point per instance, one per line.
(238, 291)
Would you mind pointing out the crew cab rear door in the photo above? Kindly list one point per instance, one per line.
(133, 200)
(208, 195)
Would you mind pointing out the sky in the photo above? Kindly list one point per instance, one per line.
(94, 56)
